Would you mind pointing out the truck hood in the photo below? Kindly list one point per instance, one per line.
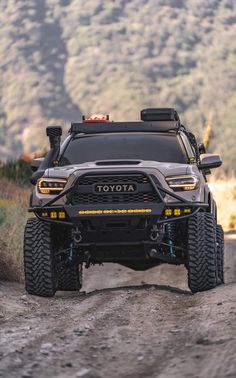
(165, 169)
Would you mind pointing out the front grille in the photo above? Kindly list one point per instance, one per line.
(90, 180)
(113, 198)
(84, 192)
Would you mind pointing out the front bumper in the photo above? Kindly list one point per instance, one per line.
(161, 211)
(157, 213)
(119, 232)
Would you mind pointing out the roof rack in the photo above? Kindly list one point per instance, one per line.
(118, 127)
(153, 120)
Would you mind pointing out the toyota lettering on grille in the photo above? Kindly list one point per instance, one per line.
(115, 188)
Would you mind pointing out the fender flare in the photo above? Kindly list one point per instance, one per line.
(211, 202)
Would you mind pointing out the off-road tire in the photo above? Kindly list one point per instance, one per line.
(220, 253)
(70, 277)
(202, 254)
(39, 264)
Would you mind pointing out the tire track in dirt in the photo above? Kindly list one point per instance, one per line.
(128, 324)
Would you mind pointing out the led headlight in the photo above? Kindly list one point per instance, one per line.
(179, 183)
(51, 186)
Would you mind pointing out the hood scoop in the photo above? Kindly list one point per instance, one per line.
(117, 162)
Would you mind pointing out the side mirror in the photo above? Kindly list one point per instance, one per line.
(35, 163)
(209, 161)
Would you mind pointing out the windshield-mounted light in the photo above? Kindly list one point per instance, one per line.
(179, 183)
(51, 186)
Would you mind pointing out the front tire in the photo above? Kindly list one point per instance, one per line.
(220, 253)
(202, 256)
(39, 263)
(70, 277)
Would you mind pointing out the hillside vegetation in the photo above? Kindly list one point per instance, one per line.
(61, 58)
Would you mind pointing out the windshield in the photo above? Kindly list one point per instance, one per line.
(153, 147)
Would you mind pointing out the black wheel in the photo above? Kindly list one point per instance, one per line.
(220, 253)
(202, 257)
(69, 277)
(39, 264)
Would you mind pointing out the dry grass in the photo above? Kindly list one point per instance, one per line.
(13, 216)
(11, 191)
(208, 132)
(224, 191)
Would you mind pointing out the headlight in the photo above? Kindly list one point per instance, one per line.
(179, 183)
(51, 186)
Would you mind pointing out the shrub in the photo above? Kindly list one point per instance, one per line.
(17, 171)
(13, 216)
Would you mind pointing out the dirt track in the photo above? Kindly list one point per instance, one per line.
(127, 324)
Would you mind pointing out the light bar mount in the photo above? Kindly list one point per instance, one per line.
(121, 127)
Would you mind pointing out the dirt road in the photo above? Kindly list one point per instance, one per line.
(127, 324)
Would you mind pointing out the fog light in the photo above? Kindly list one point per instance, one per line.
(187, 211)
(177, 211)
(168, 212)
(62, 214)
(53, 215)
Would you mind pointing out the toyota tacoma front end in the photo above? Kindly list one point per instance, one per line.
(133, 193)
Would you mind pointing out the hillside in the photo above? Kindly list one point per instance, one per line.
(61, 58)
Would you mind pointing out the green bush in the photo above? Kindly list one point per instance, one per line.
(17, 171)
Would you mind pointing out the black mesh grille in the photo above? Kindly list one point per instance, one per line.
(113, 198)
(89, 180)
(85, 194)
